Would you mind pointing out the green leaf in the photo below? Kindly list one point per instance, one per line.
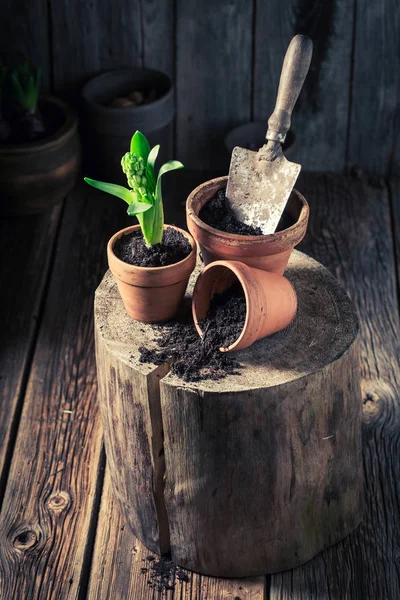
(112, 188)
(158, 224)
(153, 156)
(171, 165)
(137, 208)
(140, 146)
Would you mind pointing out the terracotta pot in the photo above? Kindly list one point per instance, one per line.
(266, 252)
(270, 299)
(37, 175)
(151, 294)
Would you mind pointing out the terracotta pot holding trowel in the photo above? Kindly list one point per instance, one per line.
(267, 252)
(261, 184)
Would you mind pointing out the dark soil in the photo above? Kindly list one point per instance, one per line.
(198, 358)
(218, 214)
(132, 249)
(226, 317)
(163, 573)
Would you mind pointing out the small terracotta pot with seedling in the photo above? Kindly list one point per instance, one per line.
(264, 302)
(151, 262)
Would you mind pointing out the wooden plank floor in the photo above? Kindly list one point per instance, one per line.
(61, 533)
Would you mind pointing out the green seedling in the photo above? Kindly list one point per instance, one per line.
(144, 196)
(25, 88)
(25, 83)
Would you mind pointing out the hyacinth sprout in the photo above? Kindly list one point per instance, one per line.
(144, 196)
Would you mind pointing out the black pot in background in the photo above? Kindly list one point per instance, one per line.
(37, 175)
(110, 129)
(252, 136)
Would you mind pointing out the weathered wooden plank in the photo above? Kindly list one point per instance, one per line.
(321, 115)
(394, 195)
(26, 245)
(158, 29)
(350, 233)
(51, 489)
(214, 67)
(374, 118)
(25, 28)
(91, 37)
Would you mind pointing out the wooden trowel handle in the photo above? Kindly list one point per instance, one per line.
(294, 70)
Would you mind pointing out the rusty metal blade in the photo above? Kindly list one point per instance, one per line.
(258, 189)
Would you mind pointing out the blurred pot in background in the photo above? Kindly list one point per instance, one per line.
(39, 144)
(119, 102)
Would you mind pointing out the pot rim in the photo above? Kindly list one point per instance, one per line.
(127, 109)
(233, 239)
(153, 270)
(48, 143)
(231, 266)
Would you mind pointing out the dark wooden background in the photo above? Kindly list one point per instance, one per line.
(225, 57)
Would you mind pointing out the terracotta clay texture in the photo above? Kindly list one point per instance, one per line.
(266, 252)
(151, 294)
(271, 301)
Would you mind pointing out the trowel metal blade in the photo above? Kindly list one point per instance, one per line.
(259, 189)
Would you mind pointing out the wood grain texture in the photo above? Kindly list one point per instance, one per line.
(375, 117)
(26, 246)
(25, 28)
(130, 406)
(158, 29)
(350, 233)
(214, 60)
(47, 509)
(89, 37)
(321, 115)
(394, 196)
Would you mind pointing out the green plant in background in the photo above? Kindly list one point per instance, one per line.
(25, 88)
(5, 129)
(144, 198)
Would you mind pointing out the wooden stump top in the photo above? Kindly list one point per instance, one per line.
(324, 328)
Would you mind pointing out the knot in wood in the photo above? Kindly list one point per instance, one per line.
(59, 501)
(26, 539)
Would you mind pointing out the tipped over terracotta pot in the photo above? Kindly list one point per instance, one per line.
(271, 302)
(266, 252)
(151, 294)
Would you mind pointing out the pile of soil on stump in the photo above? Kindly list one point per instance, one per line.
(196, 358)
(217, 213)
(132, 249)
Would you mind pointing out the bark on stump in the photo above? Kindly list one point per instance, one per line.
(255, 473)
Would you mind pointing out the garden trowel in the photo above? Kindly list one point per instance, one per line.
(260, 183)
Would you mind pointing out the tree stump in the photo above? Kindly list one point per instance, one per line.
(255, 473)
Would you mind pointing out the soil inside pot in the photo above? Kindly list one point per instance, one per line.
(132, 249)
(196, 358)
(218, 214)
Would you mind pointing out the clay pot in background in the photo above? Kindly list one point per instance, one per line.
(267, 252)
(37, 175)
(270, 299)
(151, 294)
(110, 129)
(252, 136)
